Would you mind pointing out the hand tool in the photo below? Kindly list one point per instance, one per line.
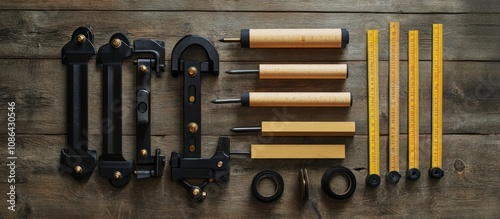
(297, 71)
(77, 160)
(190, 165)
(295, 151)
(393, 175)
(304, 184)
(150, 56)
(413, 172)
(292, 38)
(278, 181)
(334, 171)
(373, 178)
(291, 99)
(436, 170)
(112, 165)
(287, 128)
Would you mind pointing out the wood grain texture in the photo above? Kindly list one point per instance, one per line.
(32, 34)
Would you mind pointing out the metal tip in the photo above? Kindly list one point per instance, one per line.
(230, 40)
(249, 71)
(246, 129)
(218, 101)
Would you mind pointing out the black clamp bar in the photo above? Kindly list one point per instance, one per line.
(77, 160)
(190, 165)
(112, 164)
(147, 165)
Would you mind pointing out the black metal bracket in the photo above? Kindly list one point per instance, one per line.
(147, 165)
(77, 160)
(190, 165)
(112, 164)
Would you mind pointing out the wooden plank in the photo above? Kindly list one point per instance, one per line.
(37, 34)
(391, 6)
(39, 89)
(319, 128)
(297, 151)
(469, 189)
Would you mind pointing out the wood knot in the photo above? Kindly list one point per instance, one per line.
(459, 165)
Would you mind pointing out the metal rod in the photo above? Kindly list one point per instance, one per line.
(219, 101)
(248, 71)
(246, 129)
(230, 40)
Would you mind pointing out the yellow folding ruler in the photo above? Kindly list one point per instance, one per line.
(373, 178)
(393, 175)
(413, 172)
(436, 170)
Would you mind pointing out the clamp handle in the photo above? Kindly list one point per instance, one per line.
(77, 160)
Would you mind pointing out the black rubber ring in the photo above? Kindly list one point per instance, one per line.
(334, 171)
(393, 177)
(373, 180)
(276, 177)
(413, 174)
(436, 173)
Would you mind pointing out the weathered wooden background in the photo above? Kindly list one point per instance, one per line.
(33, 32)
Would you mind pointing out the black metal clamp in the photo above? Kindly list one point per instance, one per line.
(112, 164)
(77, 160)
(190, 165)
(147, 165)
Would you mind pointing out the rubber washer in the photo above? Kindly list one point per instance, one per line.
(334, 171)
(276, 177)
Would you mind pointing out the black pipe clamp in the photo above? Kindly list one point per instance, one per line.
(190, 165)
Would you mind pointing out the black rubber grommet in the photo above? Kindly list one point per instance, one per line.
(345, 37)
(373, 180)
(413, 174)
(393, 177)
(436, 173)
(245, 38)
(276, 177)
(334, 171)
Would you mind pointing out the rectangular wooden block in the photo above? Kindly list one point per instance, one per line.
(308, 128)
(297, 151)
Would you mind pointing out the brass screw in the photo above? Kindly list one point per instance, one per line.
(192, 99)
(192, 148)
(196, 192)
(117, 175)
(80, 38)
(192, 71)
(78, 169)
(143, 68)
(211, 180)
(116, 43)
(204, 194)
(192, 127)
(219, 164)
(144, 152)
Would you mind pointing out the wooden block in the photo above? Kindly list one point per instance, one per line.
(308, 128)
(297, 151)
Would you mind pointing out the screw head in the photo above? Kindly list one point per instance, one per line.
(204, 194)
(117, 175)
(80, 38)
(143, 68)
(144, 152)
(192, 71)
(219, 164)
(211, 180)
(78, 169)
(192, 148)
(192, 127)
(196, 192)
(116, 43)
(192, 99)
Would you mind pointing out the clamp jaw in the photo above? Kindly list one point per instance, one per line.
(147, 165)
(77, 160)
(112, 164)
(190, 165)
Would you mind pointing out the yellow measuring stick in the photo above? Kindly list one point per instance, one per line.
(393, 175)
(413, 172)
(436, 170)
(373, 178)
